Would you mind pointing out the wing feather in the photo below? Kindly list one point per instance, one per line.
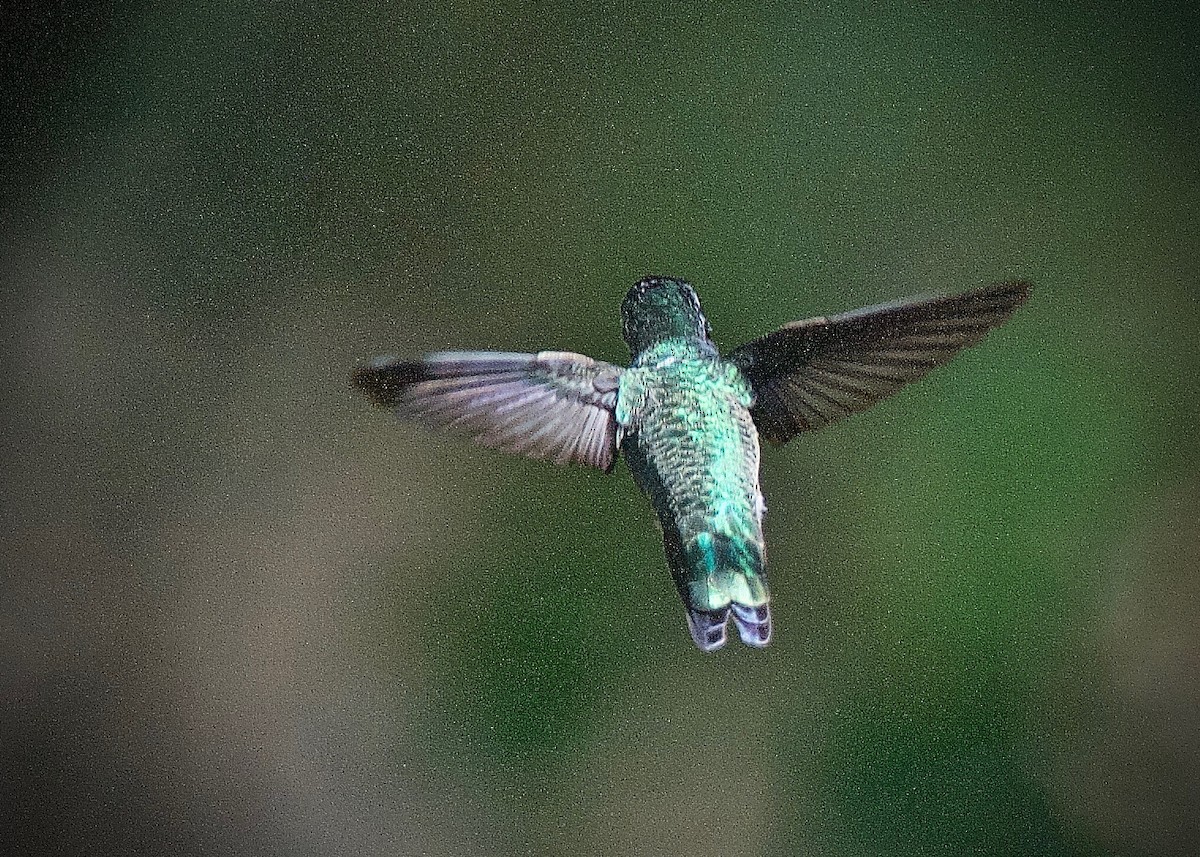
(810, 373)
(553, 405)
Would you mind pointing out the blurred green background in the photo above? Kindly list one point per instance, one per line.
(244, 613)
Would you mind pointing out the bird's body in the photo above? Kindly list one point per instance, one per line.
(688, 420)
(692, 448)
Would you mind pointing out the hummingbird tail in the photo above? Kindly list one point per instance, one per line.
(725, 575)
(753, 623)
(708, 628)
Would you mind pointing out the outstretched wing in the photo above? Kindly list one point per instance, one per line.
(810, 373)
(553, 405)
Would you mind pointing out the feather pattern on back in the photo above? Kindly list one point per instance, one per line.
(693, 450)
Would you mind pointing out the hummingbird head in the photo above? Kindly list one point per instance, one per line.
(659, 308)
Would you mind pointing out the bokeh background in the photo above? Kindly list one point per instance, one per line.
(244, 613)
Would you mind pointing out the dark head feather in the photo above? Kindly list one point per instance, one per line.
(659, 308)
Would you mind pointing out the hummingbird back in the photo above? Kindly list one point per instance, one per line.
(692, 447)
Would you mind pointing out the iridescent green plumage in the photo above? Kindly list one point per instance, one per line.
(693, 449)
(688, 420)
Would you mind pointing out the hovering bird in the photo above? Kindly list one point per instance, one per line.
(687, 419)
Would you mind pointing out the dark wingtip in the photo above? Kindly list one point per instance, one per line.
(384, 379)
(1017, 291)
(1005, 297)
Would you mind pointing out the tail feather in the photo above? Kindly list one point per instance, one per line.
(753, 623)
(724, 573)
(708, 628)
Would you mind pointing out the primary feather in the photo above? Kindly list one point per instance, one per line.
(553, 405)
(810, 373)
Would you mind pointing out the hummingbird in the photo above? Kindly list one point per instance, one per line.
(687, 419)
